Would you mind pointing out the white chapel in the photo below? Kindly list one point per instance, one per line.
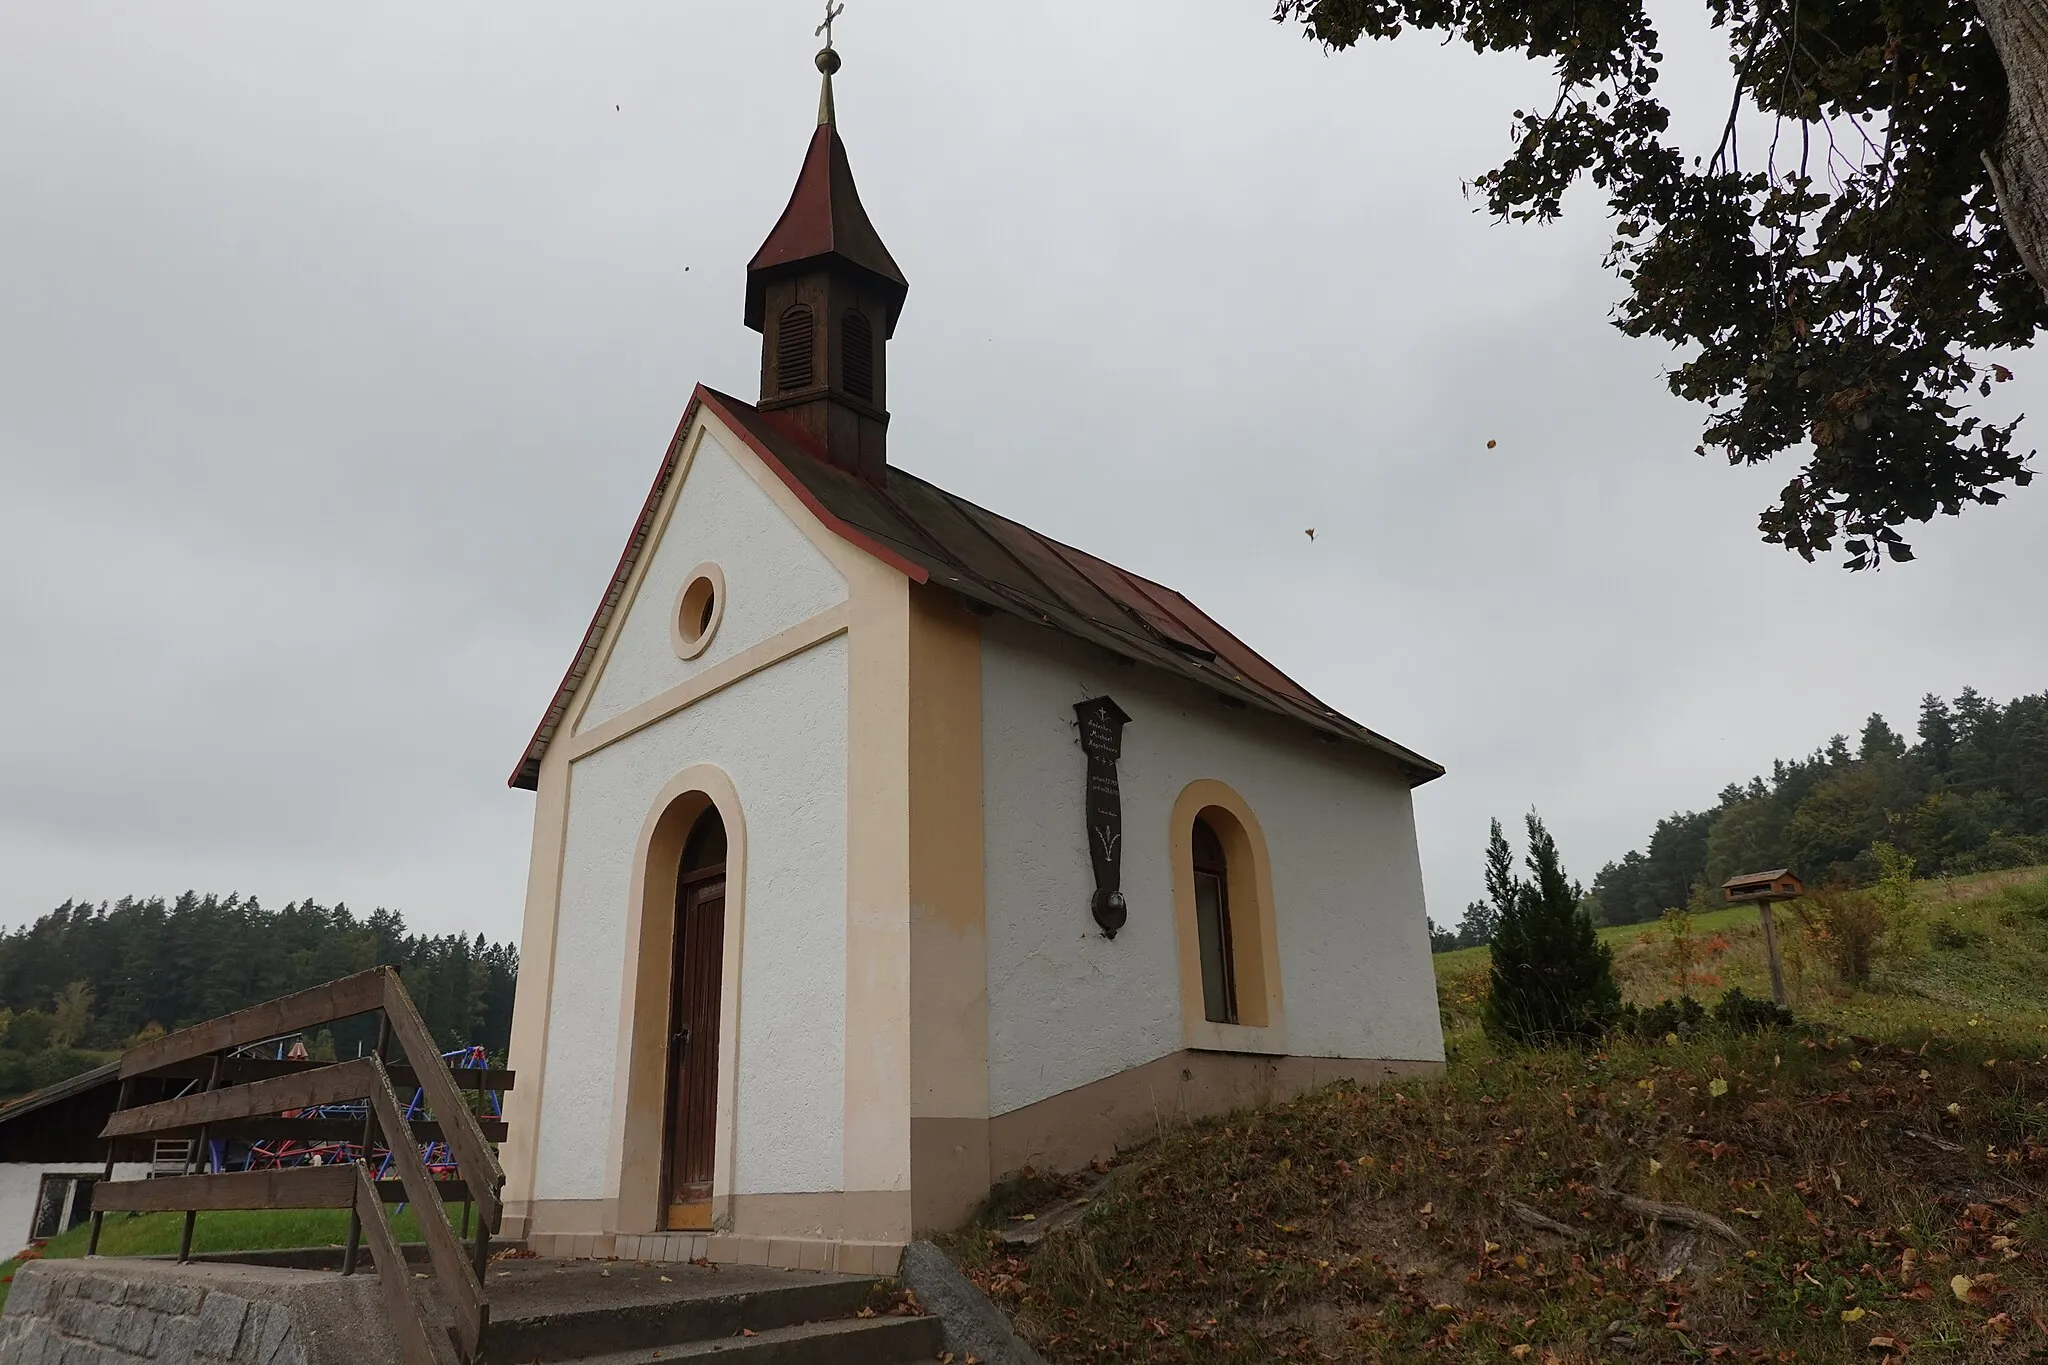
(883, 846)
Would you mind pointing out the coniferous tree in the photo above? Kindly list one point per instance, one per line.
(1552, 977)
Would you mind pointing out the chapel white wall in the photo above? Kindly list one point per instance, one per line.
(781, 737)
(21, 1183)
(1066, 1005)
(774, 578)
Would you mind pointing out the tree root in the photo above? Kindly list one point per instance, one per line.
(1678, 1215)
(1536, 1218)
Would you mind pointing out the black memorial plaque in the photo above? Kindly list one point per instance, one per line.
(1102, 739)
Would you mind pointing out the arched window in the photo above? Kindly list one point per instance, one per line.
(1228, 942)
(857, 344)
(795, 348)
(1212, 924)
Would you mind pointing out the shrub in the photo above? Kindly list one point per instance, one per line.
(1739, 1012)
(1552, 978)
(1946, 933)
(1681, 1015)
(1848, 928)
(1736, 1012)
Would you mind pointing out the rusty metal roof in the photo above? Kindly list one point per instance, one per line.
(824, 219)
(934, 537)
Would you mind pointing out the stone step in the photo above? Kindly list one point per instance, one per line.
(850, 1341)
(544, 1311)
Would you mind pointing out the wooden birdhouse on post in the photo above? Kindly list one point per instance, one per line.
(1763, 890)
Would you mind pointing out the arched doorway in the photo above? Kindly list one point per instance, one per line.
(689, 1147)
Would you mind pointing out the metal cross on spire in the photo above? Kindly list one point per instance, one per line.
(828, 62)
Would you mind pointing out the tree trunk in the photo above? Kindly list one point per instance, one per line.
(2019, 163)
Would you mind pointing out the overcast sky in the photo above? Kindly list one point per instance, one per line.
(338, 346)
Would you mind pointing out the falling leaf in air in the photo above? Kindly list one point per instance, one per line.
(1852, 1315)
(1717, 1087)
(1491, 444)
(1310, 533)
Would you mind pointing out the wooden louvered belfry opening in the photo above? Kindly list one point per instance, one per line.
(796, 347)
(857, 354)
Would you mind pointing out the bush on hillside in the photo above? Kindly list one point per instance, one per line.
(1847, 927)
(1680, 1016)
(1736, 1012)
(1552, 978)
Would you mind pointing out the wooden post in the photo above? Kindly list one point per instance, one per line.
(355, 1214)
(197, 1166)
(481, 1253)
(1770, 923)
(92, 1243)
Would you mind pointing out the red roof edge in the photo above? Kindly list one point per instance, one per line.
(526, 774)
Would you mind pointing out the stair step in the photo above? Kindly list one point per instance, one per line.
(539, 1316)
(848, 1341)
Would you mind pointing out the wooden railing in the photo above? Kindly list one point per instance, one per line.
(244, 1098)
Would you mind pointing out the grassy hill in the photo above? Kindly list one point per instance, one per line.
(1868, 1186)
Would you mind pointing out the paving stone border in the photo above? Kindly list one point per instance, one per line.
(147, 1312)
(974, 1326)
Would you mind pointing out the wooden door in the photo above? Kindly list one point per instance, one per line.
(693, 1048)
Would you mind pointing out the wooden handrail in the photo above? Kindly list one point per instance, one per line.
(267, 1129)
(259, 1089)
(336, 1084)
(289, 1187)
(242, 1070)
(473, 1156)
(458, 1281)
(393, 1276)
(301, 1187)
(295, 1013)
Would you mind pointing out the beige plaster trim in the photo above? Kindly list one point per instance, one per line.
(876, 1112)
(640, 1100)
(785, 644)
(1255, 936)
(948, 915)
(532, 1001)
(1090, 1122)
(689, 647)
(569, 1217)
(830, 1215)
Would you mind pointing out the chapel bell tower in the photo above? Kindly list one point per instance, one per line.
(824, 294)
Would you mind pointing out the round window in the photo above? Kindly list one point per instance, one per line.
(698, 610)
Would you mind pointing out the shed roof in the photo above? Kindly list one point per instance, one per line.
(21, 1106)
(935, 537)
(1748, 877)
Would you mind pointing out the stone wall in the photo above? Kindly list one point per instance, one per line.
(146, 1312)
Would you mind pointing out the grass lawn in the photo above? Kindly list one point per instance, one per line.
(1869, 1186)
(156, 1234)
